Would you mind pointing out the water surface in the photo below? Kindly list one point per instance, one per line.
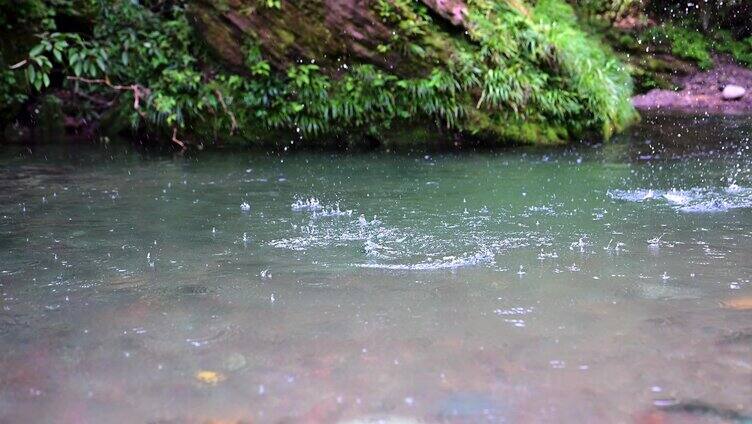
(606, 283)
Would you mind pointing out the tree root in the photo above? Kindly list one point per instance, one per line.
(139, 92)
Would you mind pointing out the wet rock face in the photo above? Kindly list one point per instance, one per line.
(327, 32)
(733, 92)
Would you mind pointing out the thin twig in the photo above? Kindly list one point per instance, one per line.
(234, 123)
(19, 64)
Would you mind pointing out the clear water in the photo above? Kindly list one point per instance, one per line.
(577, 285)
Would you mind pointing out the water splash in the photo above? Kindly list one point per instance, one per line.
(447, 262)
(312, 204)
(693, 200)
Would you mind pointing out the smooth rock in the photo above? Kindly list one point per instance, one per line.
(733, 92)
(234, 362)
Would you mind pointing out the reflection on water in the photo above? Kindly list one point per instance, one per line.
(604, 284)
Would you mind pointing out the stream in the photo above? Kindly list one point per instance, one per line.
(593, 283)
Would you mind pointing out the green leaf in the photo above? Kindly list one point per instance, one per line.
(36, 50)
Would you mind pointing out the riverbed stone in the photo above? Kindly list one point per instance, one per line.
(733, 92)
(234, 362)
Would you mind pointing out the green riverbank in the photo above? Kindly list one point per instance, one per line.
(377, 73)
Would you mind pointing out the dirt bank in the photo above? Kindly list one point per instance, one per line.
(701, 92)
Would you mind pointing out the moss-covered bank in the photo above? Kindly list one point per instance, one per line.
(246, 71)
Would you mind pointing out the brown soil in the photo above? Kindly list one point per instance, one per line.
(701, 92)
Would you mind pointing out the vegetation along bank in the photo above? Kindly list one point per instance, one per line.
(349, 72)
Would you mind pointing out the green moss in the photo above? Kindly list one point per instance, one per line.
(689, 44)
(680, 41)
(740, 50)
(286, 38)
